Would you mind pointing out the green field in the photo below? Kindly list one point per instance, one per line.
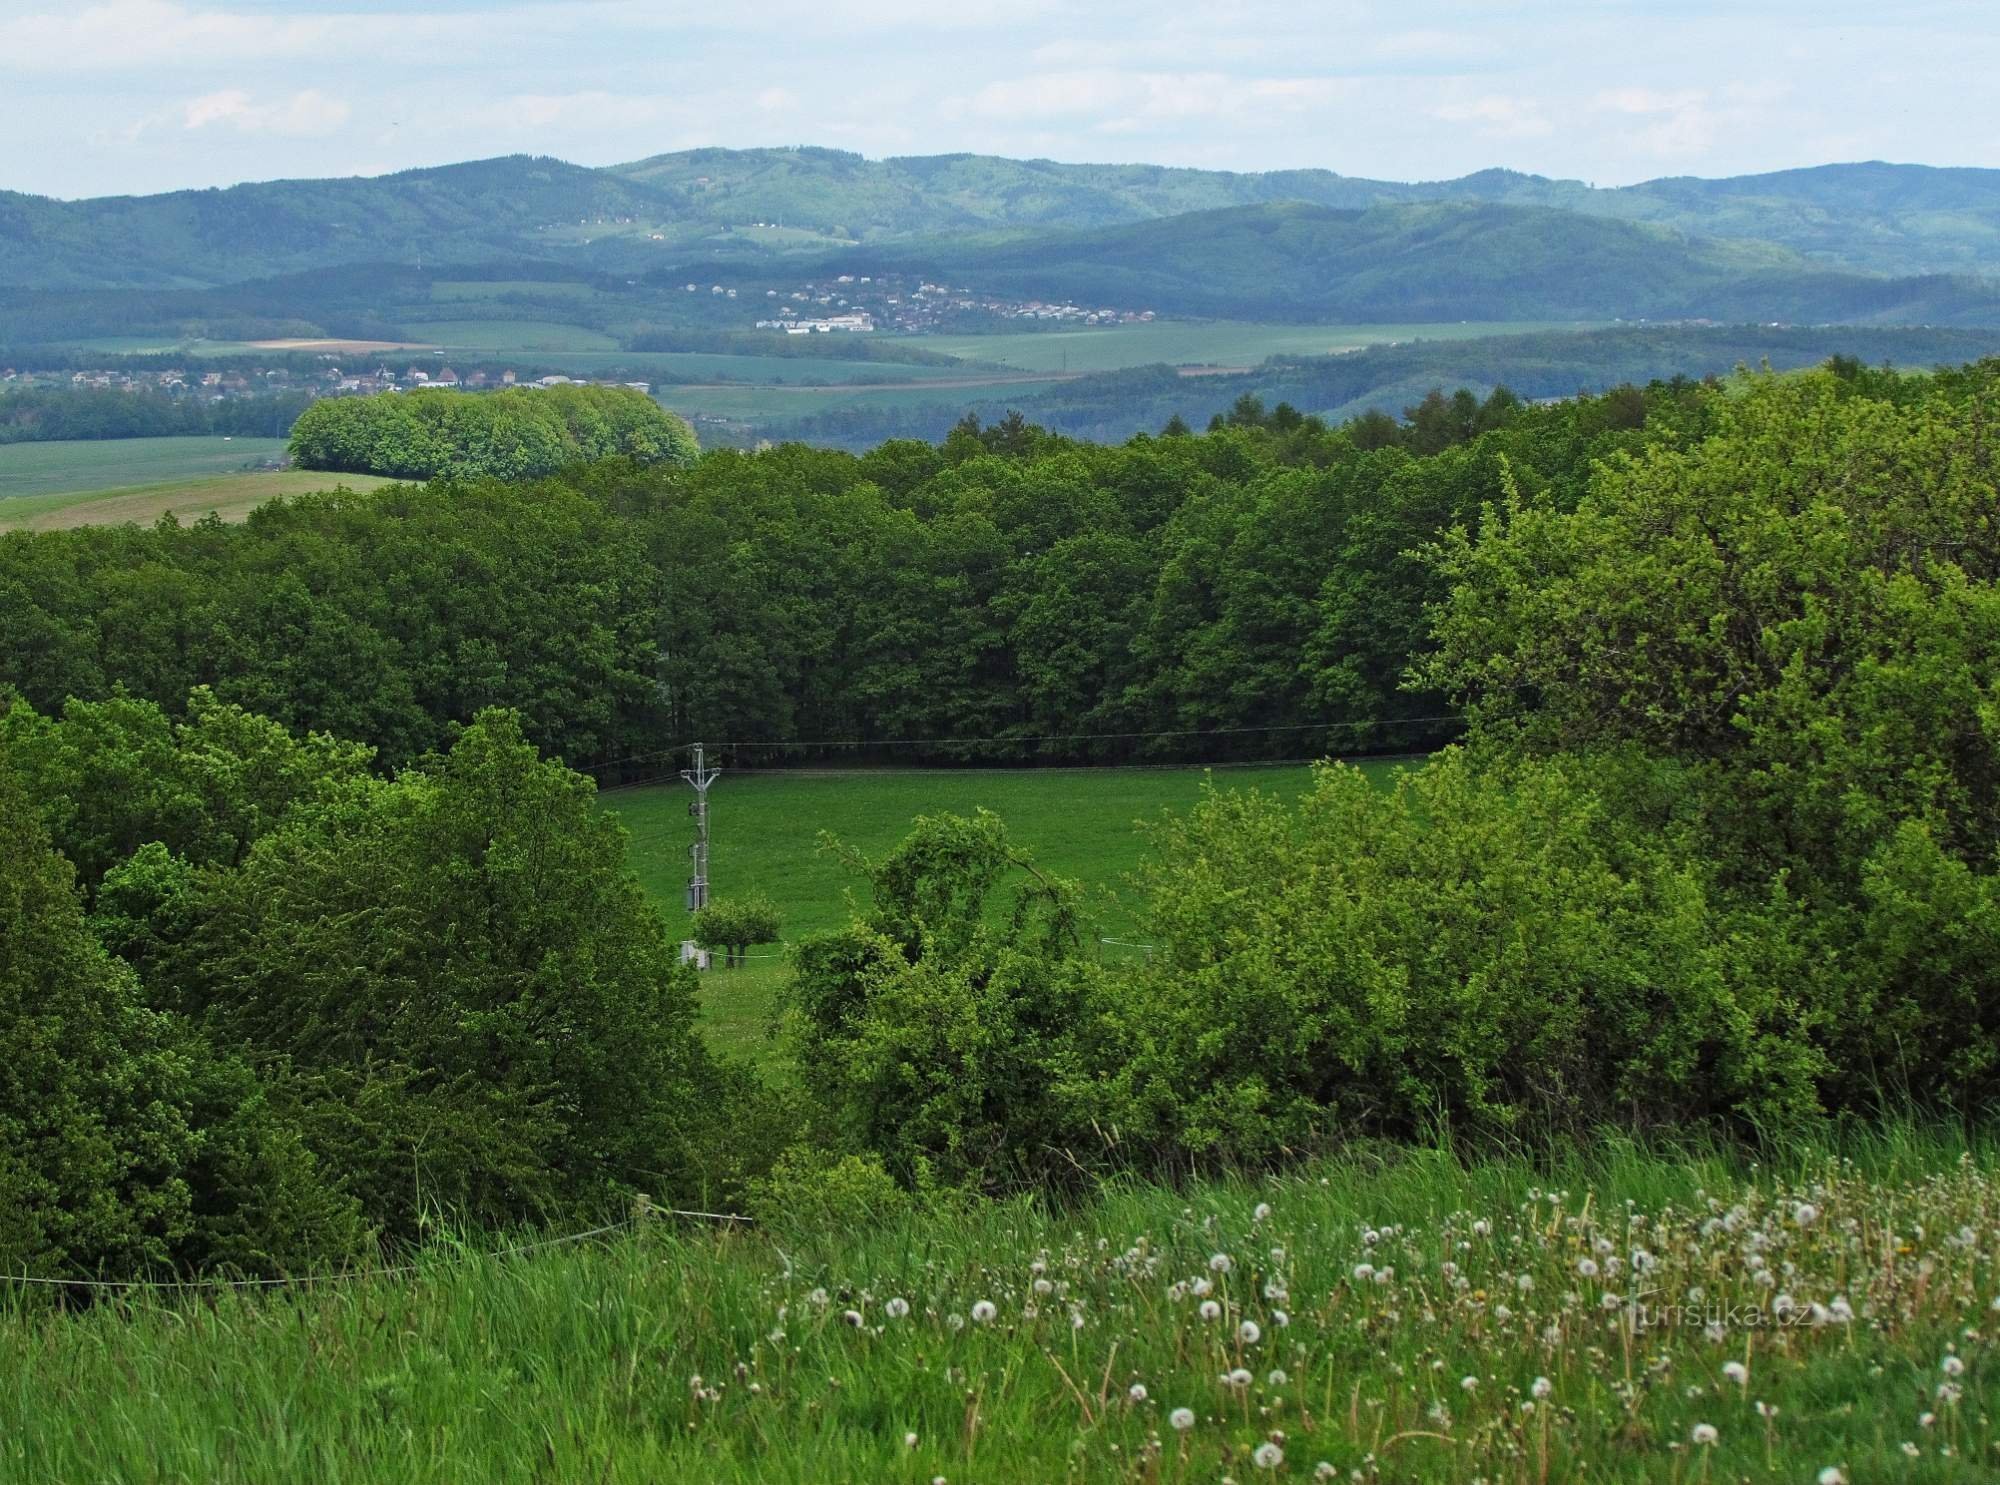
(101, 482)
(512, 336)
(1079, 823)
(1391, 1316)
(1195, 342)
(95, 464)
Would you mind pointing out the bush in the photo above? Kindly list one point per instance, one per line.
(944, 1030)
(475, 1006)
(735, 925)
(1478, 949)
(125, 1144)
(809, 1190)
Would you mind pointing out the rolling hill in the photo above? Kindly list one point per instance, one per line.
(753, 204)
(1427, 262)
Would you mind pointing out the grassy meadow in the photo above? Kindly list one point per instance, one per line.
(1080, 823)
(103, 463)
(1816, 1315)
(102, 482)
(1195, 342)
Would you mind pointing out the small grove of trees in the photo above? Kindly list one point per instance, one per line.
(517, 434)
(735, 925)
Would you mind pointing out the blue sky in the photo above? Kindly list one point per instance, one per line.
(104, 96)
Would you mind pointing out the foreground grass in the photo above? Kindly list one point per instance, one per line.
(1409, 1318)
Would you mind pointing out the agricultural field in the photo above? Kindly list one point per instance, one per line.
(512, 336)
(1196, 342)
(1080, 823)
(48, 486)
(1397, 1315)
(96, 464)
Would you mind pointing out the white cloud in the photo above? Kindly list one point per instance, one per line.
(1498, 116)
(138, 33)
(1132, 96)
(308, 114)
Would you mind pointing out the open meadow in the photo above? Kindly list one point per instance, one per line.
(1196, 342)
(1080, 823)
(102, 482)
(1818, 1314)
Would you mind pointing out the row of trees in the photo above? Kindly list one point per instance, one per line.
(36, 415)
(511, 435)
(1717, 849)
(1004, 596)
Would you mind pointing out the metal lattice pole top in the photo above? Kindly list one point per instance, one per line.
(700, 776)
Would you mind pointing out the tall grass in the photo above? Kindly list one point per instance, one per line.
(1402, 1304)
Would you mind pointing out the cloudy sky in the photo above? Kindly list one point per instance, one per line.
(104, 96)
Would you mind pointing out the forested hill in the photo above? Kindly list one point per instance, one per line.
(1876, 218)
(1438, 261)
(1873, 216)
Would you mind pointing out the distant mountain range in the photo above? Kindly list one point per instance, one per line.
(1865, 243)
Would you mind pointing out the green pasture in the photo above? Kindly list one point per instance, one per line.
(71, 465)
(1079, 823)
(1195, 342)
(511, 336)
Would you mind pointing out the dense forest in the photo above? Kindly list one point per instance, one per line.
(1006, 595)
(310, 931)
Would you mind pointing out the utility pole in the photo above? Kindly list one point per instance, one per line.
(700, 777)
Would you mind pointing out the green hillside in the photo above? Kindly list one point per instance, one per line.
(1443, 261)
(754, 204)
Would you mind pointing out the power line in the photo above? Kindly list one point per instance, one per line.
(806, 745)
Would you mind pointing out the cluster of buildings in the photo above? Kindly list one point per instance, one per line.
(330, 381)
(336, 383)
(216, 386)
(863, 302)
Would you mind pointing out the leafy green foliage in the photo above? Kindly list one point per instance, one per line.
(1478, 949)
(938, 1028)
(811, 1191)
(734, 925)
(125, 1143)
(511, 435)
(1799, 611)
(463, 986)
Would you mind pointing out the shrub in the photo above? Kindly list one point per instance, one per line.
(125, 1144)
(477, 1008)
(942, 1029)
(735, 925)
(810, 1190)
(1477, 949)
